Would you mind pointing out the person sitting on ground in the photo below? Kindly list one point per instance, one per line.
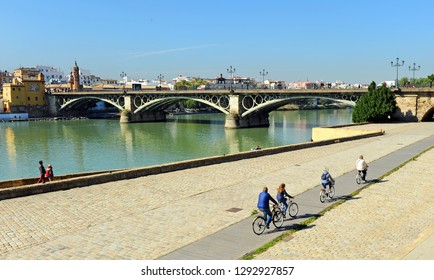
(362, 166)
(264, 205)
(281, 197)
(326, 179)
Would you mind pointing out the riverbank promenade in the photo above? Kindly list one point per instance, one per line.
(162, 216)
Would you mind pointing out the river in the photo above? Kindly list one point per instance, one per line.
(85, 145)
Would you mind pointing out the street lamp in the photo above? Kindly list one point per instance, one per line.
(231, 71)
(123, 75)
(159, 77)
(397, 65)
(414, 69)
(263, 74)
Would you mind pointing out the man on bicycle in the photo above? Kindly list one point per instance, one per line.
(264, 205)
(362, 167)
(326, 180)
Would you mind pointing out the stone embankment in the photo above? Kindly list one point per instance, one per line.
(23, 187)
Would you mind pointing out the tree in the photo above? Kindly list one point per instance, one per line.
(403, 82)
(376, 105)
(190, 104)
(431, 79)
(190, 85)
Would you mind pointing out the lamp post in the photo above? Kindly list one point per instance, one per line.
(231, 71)
(397, 65)
(263, 74)
(123, 75)
(159, 77)
(414, 69)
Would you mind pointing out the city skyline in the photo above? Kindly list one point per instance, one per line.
(352, 41)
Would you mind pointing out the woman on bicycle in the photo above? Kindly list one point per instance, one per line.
(264, 205)
(281, 193)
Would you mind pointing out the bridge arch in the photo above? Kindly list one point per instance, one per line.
(428, 116)
(221, 103)
(116, 101)
(263, 105)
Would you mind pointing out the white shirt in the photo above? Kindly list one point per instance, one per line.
(361, 164)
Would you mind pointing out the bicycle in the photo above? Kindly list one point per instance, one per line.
(359, 177)
(259, 223)
(323, 194)
(292, 208)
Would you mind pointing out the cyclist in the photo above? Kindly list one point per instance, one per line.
(362, 167)
(264, 205)
(326, 179)
(281, 193)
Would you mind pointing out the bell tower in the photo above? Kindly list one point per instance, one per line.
(76, 78)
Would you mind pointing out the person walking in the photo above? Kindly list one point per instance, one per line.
(49, 174)
(41, 172)
(264, 205)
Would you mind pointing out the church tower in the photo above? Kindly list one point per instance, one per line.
(76, 79)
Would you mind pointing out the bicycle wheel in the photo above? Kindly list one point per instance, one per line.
(258, 225)
(322, 196)
(332, 192)
(293, 209)
(277, 218)
(358, 179)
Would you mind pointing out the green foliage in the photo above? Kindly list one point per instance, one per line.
(403, 82)
(374, 106)
(421, 82)
(190, 85)
(190, 104)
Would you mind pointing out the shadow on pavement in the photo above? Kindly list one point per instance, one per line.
(376, 181)
(348, 197)
(304, 216)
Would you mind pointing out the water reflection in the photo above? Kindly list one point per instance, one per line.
(91, 145)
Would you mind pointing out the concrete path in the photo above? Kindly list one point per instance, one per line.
(154, 216)
(237, 239)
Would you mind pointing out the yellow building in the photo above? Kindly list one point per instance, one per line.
(27, 91)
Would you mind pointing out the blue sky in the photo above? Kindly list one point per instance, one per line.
(353, 41)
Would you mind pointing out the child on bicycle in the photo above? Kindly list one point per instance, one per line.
(281, 193)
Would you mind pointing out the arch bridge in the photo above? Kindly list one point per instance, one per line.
(243, 108)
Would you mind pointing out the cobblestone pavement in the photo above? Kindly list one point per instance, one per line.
(148, 217)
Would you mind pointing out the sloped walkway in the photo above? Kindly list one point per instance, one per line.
(399, 208)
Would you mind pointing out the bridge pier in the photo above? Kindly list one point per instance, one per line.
(256, 120)
(146, 116)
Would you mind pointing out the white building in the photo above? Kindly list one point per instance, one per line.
(86, 78)
(52, 75)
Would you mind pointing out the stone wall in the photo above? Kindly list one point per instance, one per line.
(416, 104)
(327, 133)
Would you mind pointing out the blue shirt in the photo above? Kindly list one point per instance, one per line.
(264, 200)
(281, 196)
(327, 178)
